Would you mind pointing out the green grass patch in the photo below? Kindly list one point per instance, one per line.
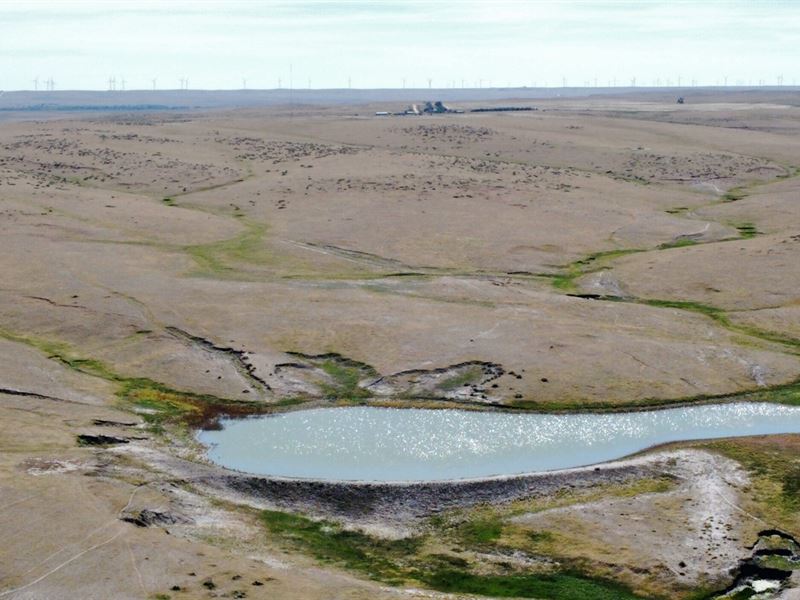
(345, 380)
(704, 309)
(328, 542)
(776, 561)
(470, 375)
(479, 531)
(164, 405)
(721, 317)
(555, 586)
(292, 401)
(791, 484)
(678, 243)
(793, 343)
(64, 354)
(219, 258)
(566, 281)
(541, 537)
(747, 230)
(734, 194)
(592, 263)
(250, 256)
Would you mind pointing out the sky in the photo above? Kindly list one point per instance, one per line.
(233, 44)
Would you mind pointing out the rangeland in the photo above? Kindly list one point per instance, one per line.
(595, 254)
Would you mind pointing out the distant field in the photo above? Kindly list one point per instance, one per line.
(170, 256)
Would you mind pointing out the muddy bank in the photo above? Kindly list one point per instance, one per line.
(398, 501)
(393, 502)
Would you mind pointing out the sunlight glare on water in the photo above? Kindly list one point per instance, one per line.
(384, 444)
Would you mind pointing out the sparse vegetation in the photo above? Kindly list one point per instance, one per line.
(163, 404)
(594, 262)
(470, 375)
(679, 243)
(704, 309)
(791, 485)
(787, 393)
(406, 560)
(774, 466)
(345, 380)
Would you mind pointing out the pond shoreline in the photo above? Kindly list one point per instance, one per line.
(397, 501)
(764, 395)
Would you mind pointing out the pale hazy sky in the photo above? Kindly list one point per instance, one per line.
(378, 44)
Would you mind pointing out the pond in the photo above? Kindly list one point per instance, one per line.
(389, 444)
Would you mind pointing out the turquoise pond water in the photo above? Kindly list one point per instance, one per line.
(386, 444)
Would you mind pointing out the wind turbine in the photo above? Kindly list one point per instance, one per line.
(154, 84)
(122, 81)
(36, 84)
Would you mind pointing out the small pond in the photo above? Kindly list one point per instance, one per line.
(386, 444)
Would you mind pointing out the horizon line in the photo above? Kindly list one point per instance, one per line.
(412, 89)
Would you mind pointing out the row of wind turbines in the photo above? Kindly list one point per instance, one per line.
(115, 84)
(49, 84)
